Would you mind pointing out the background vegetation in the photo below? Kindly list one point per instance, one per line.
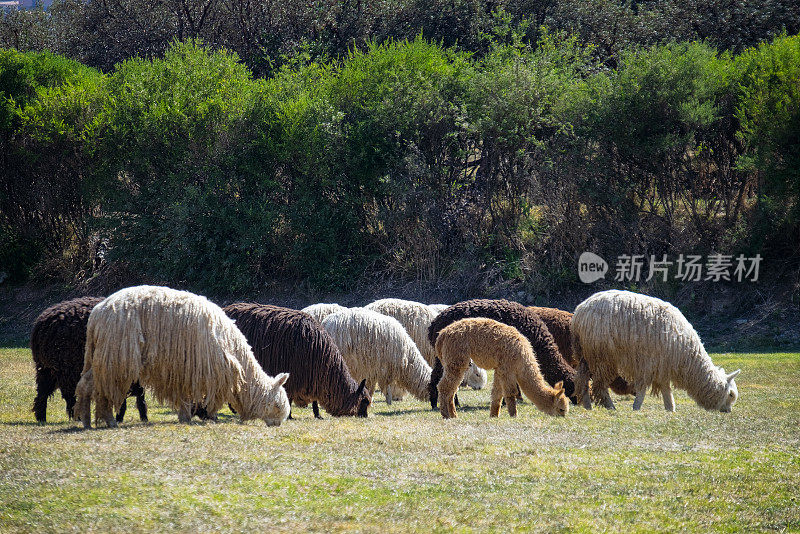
(327, 142)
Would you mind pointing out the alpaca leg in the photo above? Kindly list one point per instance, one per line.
(600, 388)
(637, 402)
(45, 386)
(104, 412)
(582, 384)
(83, 404)
(315, 409)
(511, 404)
(185, 413)
(141, 405)
(436, 376)
(388, 391)
(448, 385)
(122, 409)
(510, 389)
(605, 399)
(669, 401)
(497, 397)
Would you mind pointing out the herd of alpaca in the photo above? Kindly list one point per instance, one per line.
(259, 359)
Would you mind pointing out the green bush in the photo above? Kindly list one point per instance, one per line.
(47, 104)
(182, 197)
(768, 110)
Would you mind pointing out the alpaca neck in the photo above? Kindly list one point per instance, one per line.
(702, 380)
(252, 393)
(534, 387)
(416, 377)
(337, 392)
(559, 370)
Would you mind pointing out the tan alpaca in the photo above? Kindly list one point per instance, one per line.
(494, 345)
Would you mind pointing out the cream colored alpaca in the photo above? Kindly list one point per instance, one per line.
(377, 348)
(648, 342)
(323, 309)
(494, 345)
(416, 318)
(180, 345)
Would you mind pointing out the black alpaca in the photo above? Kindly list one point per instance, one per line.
(57, 345)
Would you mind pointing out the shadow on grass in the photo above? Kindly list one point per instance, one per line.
(77, 427)
(462, 408)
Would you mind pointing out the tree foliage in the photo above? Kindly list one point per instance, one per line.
(404, 159)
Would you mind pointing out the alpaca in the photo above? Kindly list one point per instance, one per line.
(322, 310)
(57, 344)
(180, 345)
(558, 323)
(494, 345)
(286, 340)
(416, 318)
(377, 348)
(649, 343)
(438, 308)
(551, 363)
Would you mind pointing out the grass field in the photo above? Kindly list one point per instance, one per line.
(406, 469)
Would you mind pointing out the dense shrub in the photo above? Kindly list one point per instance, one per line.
(47, 103)
(403, 159)
(768, 110)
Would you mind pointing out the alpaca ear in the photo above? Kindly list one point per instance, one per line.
(733, 375)
(559, 386)
(281, 379)
(361, 387)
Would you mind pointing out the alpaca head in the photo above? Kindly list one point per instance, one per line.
(560, 401)
(277, 406)
(476, 377)
(363, 399)
(731, 391)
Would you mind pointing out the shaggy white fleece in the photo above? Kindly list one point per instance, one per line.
(323, 309)
(648, 342)
(377, 348)
(180, 345)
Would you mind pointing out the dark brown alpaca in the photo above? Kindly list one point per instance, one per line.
(291, 341)
(57, 344)
(558, 322)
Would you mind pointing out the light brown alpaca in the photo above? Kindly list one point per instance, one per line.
(494, 345)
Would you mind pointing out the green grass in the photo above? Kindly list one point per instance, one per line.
(406, 469)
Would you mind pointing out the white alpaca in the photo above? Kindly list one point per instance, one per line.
(377, 348)
(323, 309)
(648, 342)
(416, 318)
(180, 345)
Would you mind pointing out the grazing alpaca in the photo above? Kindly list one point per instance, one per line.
(377, 348)
(494, 345)
(290, 341)
(416, 318)
(551, 364)
(649, 343)
(322, 310)
(180, 345)
(57, 344)
(558, 322)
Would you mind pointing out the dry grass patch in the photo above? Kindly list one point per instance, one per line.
(406, 469)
